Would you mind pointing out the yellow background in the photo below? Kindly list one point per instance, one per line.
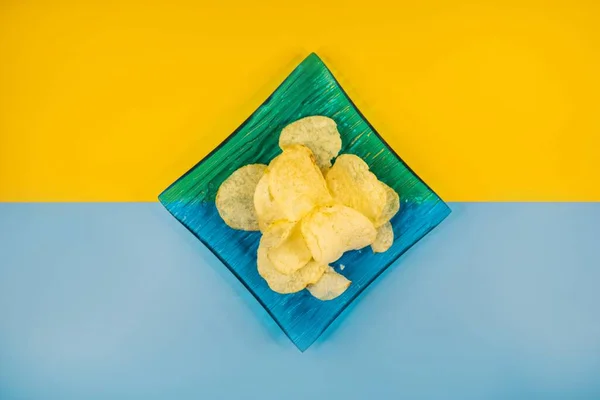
(112, 101)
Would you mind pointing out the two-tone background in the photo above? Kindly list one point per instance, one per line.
(495, 104)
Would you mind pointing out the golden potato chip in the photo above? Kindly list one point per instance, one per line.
(283, 283)
(392, 205)
(329, 231)
(352, 184)
(267, 211)
(330, 286)
(318, 133)
(235, 197)
(296, 183)
(287, 249)
(384, 239)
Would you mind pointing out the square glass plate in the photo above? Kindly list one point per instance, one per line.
(310, 89)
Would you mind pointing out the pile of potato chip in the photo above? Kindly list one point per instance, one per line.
(308, 211)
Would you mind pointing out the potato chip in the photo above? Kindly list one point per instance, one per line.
(384, 239)
(296, 183)
(309, 211)
(287, 249)
(352, 184)
(318, 133)
(330, 286)
(392, 205)
(282, 283)
(329, 231)
(267, 211)
(235, 197)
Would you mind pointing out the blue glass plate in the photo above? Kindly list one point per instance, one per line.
(310, 89)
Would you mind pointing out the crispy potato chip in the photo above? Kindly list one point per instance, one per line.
(352, 184)
(318, 133)
(282, 283)
(235, 197)
(392, 205)
(384, 239)
(309, 212)
(330, 286)
(287, 249)
(329, 231)
(296, 183)
(267, 211)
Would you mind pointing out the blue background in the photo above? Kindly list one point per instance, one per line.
(118, 300)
